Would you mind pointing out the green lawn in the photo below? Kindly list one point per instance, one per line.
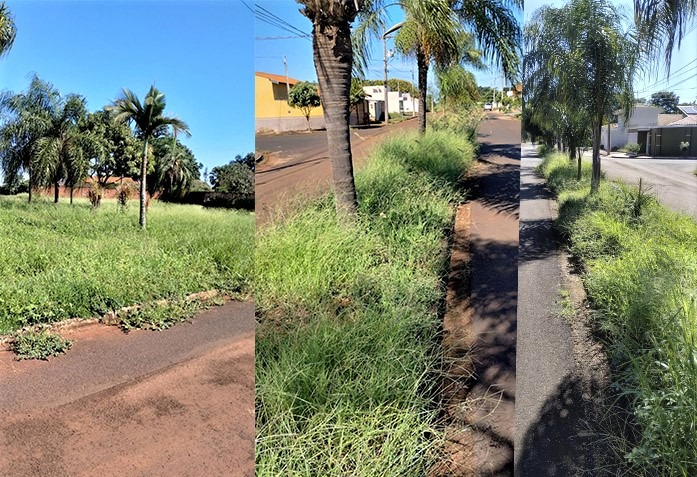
(62, 261)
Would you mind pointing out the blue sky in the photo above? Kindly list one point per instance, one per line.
(199, 53)
(272, 43)
(683, 77)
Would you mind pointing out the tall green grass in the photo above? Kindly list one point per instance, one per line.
(640, 271)
(348, 317)
(62, 261)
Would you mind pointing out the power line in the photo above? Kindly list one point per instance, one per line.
(667, 79)
(272, 19)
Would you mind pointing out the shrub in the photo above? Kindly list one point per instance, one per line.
(631, 148)
(40, 344)
(94, 194)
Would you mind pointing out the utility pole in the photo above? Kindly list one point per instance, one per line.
(285, 65)
(384, 54)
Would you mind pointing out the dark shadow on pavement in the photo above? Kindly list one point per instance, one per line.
(505, 198)
(494, 302)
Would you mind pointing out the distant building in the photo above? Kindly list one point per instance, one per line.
(271, 109)
(656, 133)
(397, 101)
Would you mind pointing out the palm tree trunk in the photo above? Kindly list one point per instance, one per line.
(422, 66)
(333, 56)
(143, 178)
(595, 176)
(56, 191)
(72, 188)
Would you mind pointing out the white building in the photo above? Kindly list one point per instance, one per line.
(397, 101)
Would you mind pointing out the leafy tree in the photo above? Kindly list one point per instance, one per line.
(60, 150)
(113, 150)
(233, 178)
(304, 96)
(27, 118)
(8, 30)
(666, 100)
(248, 160)
(580, 56)
(357, 96)
(149, 121)
(457, 87)
(175, 167)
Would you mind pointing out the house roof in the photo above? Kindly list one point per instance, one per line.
(666, 119)
(278, 79)
(688, 109)
(686, 121)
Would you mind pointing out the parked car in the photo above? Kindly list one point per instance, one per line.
(487, 106)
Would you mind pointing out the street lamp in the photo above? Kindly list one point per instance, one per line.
(384, 52)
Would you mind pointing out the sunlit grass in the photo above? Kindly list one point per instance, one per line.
(641, 277)
(348, 317)
(62, 261)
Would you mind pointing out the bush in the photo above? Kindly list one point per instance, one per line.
(631, 148)
(40, 344)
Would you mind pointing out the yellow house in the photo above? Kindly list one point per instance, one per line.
(272, 112)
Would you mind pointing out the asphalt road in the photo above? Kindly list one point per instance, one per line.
(175, 402)
(494, 293)
(297, 165)
(550, 412)
(672, 180)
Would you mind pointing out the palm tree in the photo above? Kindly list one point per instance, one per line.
(442, 32)
(333, 57)
(494, 28)
(662, 23)
(28, 119)
(149, 121)
(8, 30)
(60, 150)
(580, 56)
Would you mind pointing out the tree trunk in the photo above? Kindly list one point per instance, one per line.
(422, 66)
(143, 184)
(31, 182)
(72, 188)
(578, 170)
(595, 176)
(56, 192)
(333, 56)
(572, 152)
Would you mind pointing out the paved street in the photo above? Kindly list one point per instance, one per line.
(299, 166)
(175, 402)
(673, 180)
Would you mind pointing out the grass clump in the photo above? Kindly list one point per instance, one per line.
(62, 261)
(348, 316)
(38, 344)
(163, 315)
(640, 272)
